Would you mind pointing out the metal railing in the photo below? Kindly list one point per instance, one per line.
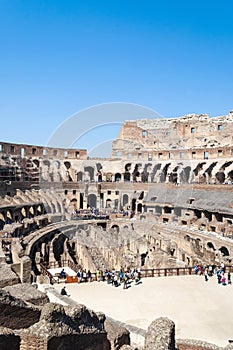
(145, 273)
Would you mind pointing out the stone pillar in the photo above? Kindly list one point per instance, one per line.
(25, 269)
(160, 335)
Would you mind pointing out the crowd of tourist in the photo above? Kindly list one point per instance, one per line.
(114, 278)
(210, 270)
(89, 214)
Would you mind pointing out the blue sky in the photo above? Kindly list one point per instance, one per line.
(59, 57)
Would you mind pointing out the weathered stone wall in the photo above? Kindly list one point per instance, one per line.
(7, 276)
(39, 151)
(15, 313)
(117, 335)
(27, 293)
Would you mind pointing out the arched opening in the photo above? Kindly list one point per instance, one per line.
(224, 251)
(31, 213)
(125, 199)
(139, 208)
(56, 164)
(220, 176)
(67, 165)
(74, 203)
(92, 201)
(210, 245)
(80, 176)
(156, 168)
(164, 173)
(115, 228)
(117, 177)
(186, 173)
(99, 172)
(81, 200)
(133, 204)
(89, 171)
(210, 168)
(136, 172)
(108, 203)
(23, 212)
(143, 258)
(141, 196)
(127, 172)
(230, 175)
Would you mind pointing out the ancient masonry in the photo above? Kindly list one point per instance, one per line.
(164, 176)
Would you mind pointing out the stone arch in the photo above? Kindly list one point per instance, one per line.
(230, 175)
(74, 202)
(116, 228)
(164, 172)
(67, 165)
(117, 177)
(139, 208)
(31, 212)
(24, 212)
(210, 168)
(198, 168)
(210, 245)
(125, 199)
(143, 258)
(90, 171)
(127, 174)
(133, 206)
(80, 176)
(108, 203)
(57, 164)
(141, 196)
(155, 170)
(92, 200)
(220, 176)
(224, 251)
(186, 173)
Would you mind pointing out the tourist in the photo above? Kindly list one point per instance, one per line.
(136, 277)
(64, 292)
(79, 275)
(115, 281)
(206, 274)
(223, 280)
(62, 273)
(219, 276)
(84, 276)
(121, 275)
(89, 275)
(125, 281)
(229, 278)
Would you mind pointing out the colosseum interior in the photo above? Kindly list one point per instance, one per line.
(163, 200)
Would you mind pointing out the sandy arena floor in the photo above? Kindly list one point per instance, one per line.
(201, 310)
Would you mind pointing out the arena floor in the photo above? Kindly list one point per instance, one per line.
(201, 310)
